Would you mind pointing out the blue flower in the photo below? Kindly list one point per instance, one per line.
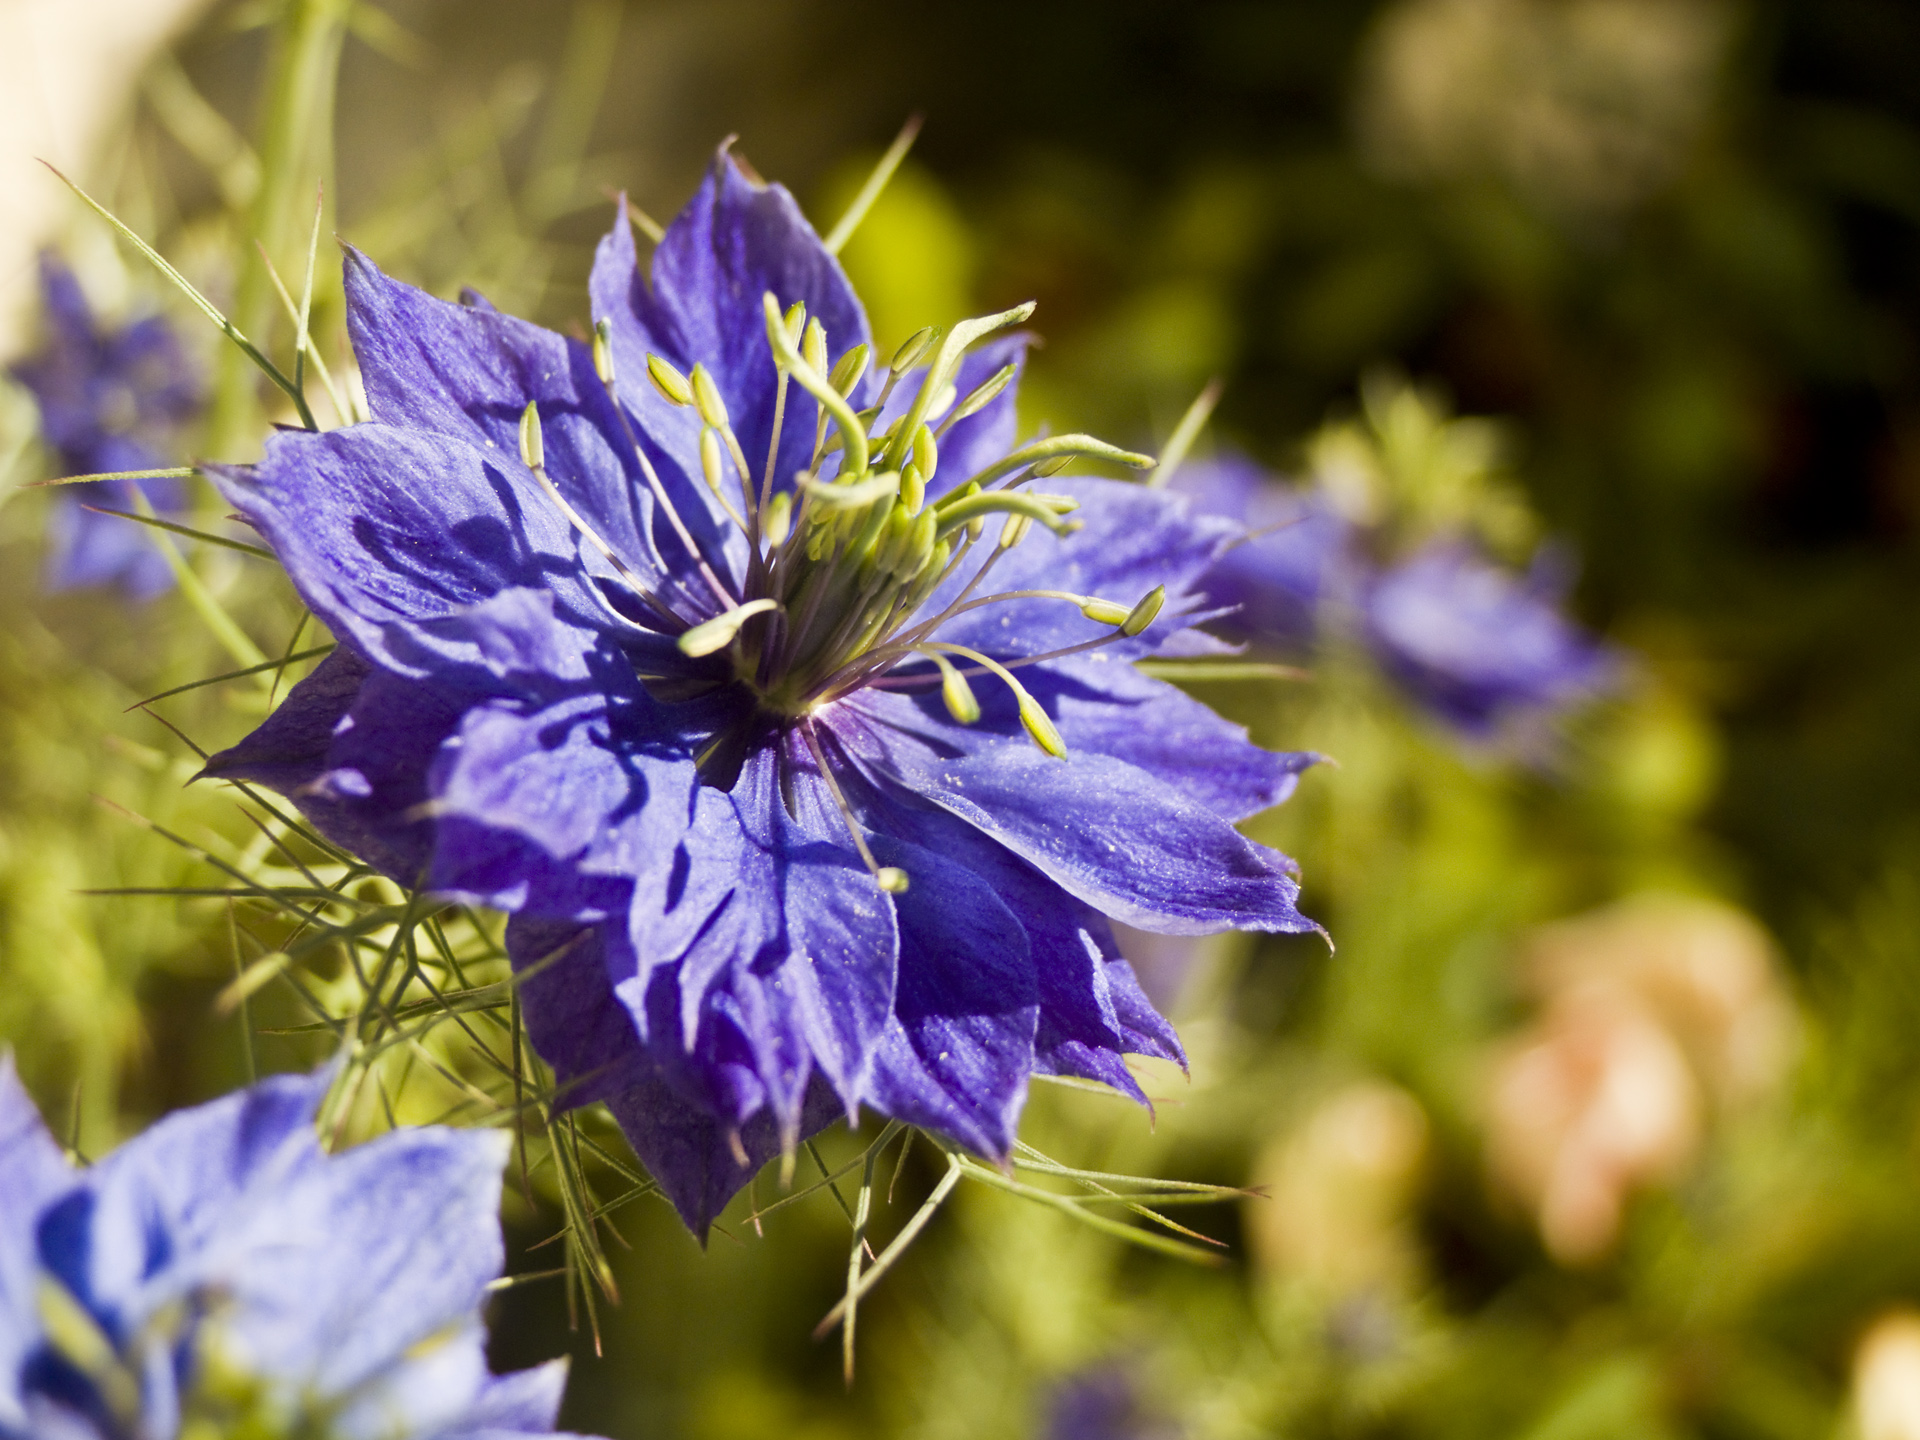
(1486, 651)
(221, 1275)
(801, 743)
(109, 402)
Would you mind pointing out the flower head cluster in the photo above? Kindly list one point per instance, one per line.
(109, 401)
(221, 1276)
(1389, 549)
(767, 686)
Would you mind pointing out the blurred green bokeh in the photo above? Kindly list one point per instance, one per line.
(1673, 245)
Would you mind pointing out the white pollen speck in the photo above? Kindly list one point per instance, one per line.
(943, 1054)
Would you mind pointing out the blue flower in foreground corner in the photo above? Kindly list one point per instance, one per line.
(1486, 650)
(221, 1276)
(108, 402)
(794, 726)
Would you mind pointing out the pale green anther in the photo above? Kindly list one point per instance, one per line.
(1052, 467)
(706, 398)
(892, 879)
(796, 321)
(1105, 612)
(911, 349)
(717, 633)
(926, 450)
(603, 351)
(852, 433)
(813, 346)
(976, 527)
(921, 540)
(778, 521)
(533, 449)
(1054, 446)
(954, 690)
(1040, 725)
(852, 366)
(891, 548)
(983, 394)
(712, 462)
(913, 487)
(1015, 530)
(671, 384)
(1144, 614)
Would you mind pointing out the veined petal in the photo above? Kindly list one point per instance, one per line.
(467, 372)
(387, 531)
(1114, 836)
(735, 241)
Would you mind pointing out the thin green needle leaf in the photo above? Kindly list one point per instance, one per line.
(204, 305)
(1132, 1234)
(173, 472)
(876, 183)
(1185, 433)
(1218, 671)
(887, 1258)
(187, 530)
(235, 640)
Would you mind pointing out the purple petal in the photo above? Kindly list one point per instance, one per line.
(1121, 840)
(33, 1174)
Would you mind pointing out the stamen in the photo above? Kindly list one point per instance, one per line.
(940, 373)
(890, 878)
(797, 310)
(981, 396)
(954, 690)
(1039, 725)
(533, 454)
(671, 384)
(721, 593)
(815, 384)
(711, 466)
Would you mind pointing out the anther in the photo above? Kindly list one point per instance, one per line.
(1015, 530)
(533, 449)
(777, 520)
(706, 398)
(603, 351)
(911, 349)
(1105, 612)
(852, 366)
(926, 451)
(671, 384)
(892, 879)
(796, 321)
(981, 396)
(1144, 614)
(813, 346)
(954, 690)
(717, 633)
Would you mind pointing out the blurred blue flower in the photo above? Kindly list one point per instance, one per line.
(109, 402)
(1487, 651)
(1101, 1403)
(708, 725)
(221, 1275)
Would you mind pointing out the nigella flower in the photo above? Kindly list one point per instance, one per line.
(220, 1275)
(109, 402)
(1487, 651)
(789, 716)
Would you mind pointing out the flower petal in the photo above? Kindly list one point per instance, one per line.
(33, 1174)
(1121, 840)
(387, 531)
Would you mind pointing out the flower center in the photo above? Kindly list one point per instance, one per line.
(844, 557)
